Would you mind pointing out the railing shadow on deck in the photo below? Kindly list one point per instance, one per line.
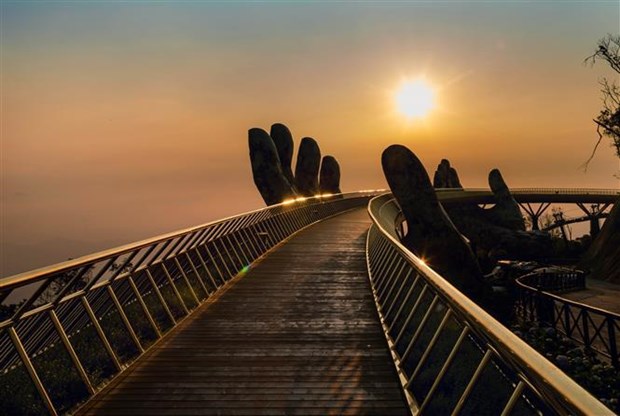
(68, 329)
(452, 356)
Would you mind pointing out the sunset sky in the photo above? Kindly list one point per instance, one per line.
(123, 120)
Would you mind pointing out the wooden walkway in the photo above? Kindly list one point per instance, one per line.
(299, 334)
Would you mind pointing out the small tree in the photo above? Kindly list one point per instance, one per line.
(608, 120)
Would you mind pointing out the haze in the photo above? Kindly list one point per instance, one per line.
(123, 120)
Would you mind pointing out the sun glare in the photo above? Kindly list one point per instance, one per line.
(415, 99)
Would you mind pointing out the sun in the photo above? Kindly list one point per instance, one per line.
(415, 99)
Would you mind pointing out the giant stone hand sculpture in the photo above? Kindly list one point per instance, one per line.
(442, 237)
(497, 231)
(271, 156)
(431, 234)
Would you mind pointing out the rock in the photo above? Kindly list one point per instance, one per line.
(603, 257)
(283, 139)
(307, 167)
(562, 362)
(266, 168)
(270, 157)
(431, 234)
(329, 177)
(453, 179)
(506, 212)
(499, 243)
(446, 176)
(499, 231)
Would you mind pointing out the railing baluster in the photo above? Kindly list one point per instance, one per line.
(213, 262)
(514, 398)
(125, 320)
(74, 358)
(410, 315)
(102, 335)
(174, 289)
(202, 285)
(613, 346)
(418, 330)
(400, 289)
(472, 382)
(444, 368)
(404, 302)
(431, 343)
(145, 309)
(31, 371)
(164, 305)
(390, 275)
(206, 269)
(187, 282)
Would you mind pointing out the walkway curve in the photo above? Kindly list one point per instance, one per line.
(299, 334)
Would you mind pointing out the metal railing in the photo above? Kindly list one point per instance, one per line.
(554, 280)
(594, 328)
(557, 195)
(542, 191)
(452, 357)
(68, 329)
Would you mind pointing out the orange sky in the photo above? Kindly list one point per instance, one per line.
(124, 120)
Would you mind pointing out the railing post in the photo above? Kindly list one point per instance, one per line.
(101, 333)
(567, 325)
(74, 357)
(31, 371)
(145, 309)
(586, 330)
(544, 308)
(613, 347)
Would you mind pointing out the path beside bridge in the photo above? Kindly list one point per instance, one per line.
(598, 293)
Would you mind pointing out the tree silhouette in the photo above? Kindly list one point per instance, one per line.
(608, 120)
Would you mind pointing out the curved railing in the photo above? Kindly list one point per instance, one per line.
(68, 329)
(544, 191)
(559, 195)
(592, 327)
(452, 356)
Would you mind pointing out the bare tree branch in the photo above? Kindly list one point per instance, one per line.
(608, 120)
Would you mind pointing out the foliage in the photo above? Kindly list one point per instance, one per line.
(579, 363)
(608, 120)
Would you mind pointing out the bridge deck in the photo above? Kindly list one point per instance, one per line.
(298, 334)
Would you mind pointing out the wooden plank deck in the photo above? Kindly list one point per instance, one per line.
(298, 334)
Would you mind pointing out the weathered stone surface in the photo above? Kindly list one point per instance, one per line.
(266, 168)
(431, 234)
(499, 232)
(307, 167)
(492, 242)
(329, 178)
(603, 257)
(283, 139)
(506, 212)
(271, 155)
(446, 176)
(453, 179)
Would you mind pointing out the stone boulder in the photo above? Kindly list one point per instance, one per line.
(603, 257)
